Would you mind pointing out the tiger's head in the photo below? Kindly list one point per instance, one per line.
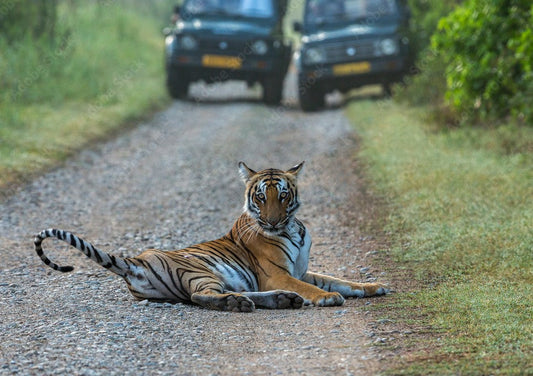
(271, 196)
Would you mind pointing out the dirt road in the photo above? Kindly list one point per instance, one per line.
(169, 183)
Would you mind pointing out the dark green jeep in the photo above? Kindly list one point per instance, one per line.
(220, 40)
(350, 43)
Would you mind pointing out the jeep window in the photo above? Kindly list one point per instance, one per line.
(230, 8)
(333, 12)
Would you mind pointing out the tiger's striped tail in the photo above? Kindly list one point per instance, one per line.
(115, 264)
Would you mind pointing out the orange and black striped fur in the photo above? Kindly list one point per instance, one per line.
(261, 262)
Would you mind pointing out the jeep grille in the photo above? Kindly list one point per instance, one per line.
(349, 50)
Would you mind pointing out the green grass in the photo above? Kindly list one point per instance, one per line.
(461, 215)
(295, 11)
(103, 70)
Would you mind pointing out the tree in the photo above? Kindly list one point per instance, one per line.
(487, 48)
(18, 18)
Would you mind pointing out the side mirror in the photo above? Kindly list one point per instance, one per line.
(176, 14)
(297, 26)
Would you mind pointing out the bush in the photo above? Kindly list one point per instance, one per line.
(91, 45)
(425, 16)
(100, 68)
(37, 18)
(487, 47)
(427, 84)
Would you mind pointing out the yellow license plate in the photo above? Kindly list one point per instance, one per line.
(218, 61)
(351, 68)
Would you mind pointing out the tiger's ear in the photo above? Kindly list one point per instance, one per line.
(296, 169)
(245, 172)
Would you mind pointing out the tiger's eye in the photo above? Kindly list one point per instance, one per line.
(261, 196)
(283, 195)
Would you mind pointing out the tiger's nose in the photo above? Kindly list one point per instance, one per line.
(273, 221)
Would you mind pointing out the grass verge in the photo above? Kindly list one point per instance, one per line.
(101, 72)
(460, 217)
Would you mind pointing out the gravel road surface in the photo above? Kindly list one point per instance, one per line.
(172, 182)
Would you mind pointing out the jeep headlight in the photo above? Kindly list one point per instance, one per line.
(188, 42)
(388, 46)
(314, 55)
(259, 47)
(169, 41)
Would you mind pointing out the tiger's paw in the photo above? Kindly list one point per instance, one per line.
(373, 289)
(328, 299)
(363, 290)
(224, 302)
(238, 303)
(275, 299)
(288, 299)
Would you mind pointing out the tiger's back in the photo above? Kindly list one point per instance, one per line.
(219, 264)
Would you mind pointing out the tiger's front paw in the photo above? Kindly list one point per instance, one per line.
(328, 299)
(372, 289)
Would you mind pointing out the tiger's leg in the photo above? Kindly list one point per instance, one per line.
(208, 292)
(310, 293)
(345, 288)
(275, 299)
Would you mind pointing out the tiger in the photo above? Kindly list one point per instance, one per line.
(262, 262)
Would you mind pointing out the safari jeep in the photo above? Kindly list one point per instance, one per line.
(220, 40)
(350, 43)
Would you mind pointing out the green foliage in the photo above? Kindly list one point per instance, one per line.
(428, 84)
(487, 47)
(20, 18)
(460, 219)
(425, 16)
(102, 66)
(92, 44)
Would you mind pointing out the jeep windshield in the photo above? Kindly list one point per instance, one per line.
(334, 13)
(262, 9)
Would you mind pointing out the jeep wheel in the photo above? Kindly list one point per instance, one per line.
(387, 90)
(311, 97)
(177, 83)
(272, 90)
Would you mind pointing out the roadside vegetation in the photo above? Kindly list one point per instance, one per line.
(72, 72)
(475, 60)
(453, 164)
(460, 223)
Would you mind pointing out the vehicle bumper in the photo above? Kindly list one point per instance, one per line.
(216, 68)
(350, 75)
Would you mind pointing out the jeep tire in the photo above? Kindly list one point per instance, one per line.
(272, 90)
(311, 97)
(177, 83)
